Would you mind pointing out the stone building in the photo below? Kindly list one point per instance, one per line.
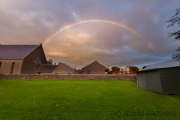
(21, 59)
(94, 68)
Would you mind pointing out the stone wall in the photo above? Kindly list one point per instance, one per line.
(70, 77)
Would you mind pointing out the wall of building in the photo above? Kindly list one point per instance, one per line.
(70, 77)
(6, 66)
(170, 79)
(150, 80)
(94, 68)
(63, 69)
(142, 81)
(154, 82)
(28, 65)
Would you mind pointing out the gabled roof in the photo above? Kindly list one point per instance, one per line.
(47, 68)
(167, 64)
(68, 68)
(64, 69)
(15, 52)
(95, 64)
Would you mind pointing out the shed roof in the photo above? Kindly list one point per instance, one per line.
(167, 64)
(18, 52)
(48, 68)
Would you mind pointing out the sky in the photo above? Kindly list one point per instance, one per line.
(79, 32)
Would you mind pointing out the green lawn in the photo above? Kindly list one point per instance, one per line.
(83, 100)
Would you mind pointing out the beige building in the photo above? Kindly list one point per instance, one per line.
(124, 70)
(21, 59)
(61, 68)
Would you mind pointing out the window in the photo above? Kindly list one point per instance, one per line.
(12, 68)
(0, 64)
(37, 63)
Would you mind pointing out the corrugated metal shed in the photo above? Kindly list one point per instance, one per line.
(161, 77)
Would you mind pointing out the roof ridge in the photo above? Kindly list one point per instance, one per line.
(16, 51)
(94, 62)
(21, 44)
(31, 51)
(165, 64)
(162, 62)
(50, 64)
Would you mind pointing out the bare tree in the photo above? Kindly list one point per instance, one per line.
(175, 20)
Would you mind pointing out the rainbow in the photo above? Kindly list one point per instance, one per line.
(92, 21)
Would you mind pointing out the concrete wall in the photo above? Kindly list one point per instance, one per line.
(7, 64)
(71, 77)
(28, 65)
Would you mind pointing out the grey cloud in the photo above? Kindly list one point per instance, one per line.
(32, 22)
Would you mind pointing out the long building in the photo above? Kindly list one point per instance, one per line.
(161, 77)
(21, 59)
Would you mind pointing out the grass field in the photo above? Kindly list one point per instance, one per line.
(83, 100)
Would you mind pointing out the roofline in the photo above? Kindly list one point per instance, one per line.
(43, 51)
(11, 59)
(160, 67)
(88, 65)
(21, 44)
(31, 51)
(47, 65)
(23, 57)
(161, 62)
(157, 69)
(26, 56)
(56, 68)
(93, 62)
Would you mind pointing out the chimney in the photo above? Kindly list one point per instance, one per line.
(50, 61)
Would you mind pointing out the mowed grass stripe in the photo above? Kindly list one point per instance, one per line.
(82, 100)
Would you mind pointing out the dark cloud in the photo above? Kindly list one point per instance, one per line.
(34, 21)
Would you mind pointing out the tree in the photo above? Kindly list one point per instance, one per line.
(78, 71)
(175, 20)
(133, 69)
(144, 67)
(115, 69)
